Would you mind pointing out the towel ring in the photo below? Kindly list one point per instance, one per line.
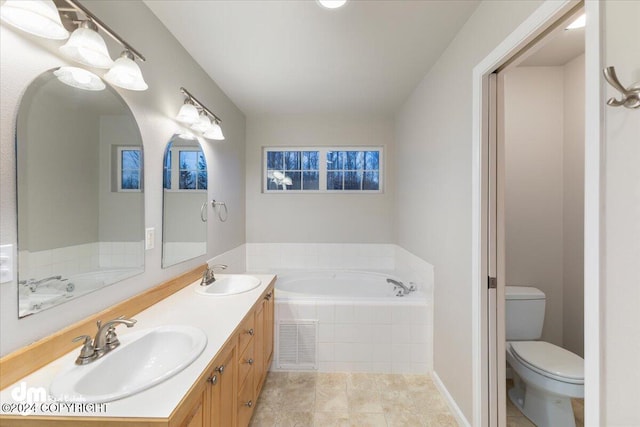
(203, 212)
(215, 204)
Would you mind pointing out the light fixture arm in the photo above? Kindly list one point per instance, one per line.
(104, 27)
(199, 104)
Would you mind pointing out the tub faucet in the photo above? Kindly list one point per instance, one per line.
(104, 341)
(401, 287)
(208, 276)
(33, 283)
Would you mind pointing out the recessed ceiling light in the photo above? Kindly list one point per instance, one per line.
(580, 22)
(332, 4)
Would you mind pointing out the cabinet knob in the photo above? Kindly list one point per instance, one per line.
(213, 379)
(268, 296)
(220, 369)
(250, 361)
(250, 331)
(248, 404)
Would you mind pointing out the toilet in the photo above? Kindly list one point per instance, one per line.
(546, 376)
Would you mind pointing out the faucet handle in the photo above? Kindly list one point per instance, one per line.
(87, 353)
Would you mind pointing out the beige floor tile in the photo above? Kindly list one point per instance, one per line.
(302, 379)
(396, 401)
(362, 381)
(275, 379)
(298, 400)
(333, 380)
(295, 419)
(390, 382)
(367, 420)
(333, 419)
(429, 403)
(578, 411)
(420, 383)
(512, 410)
(519, 422)
(367, 401)
(403, 419)
(439, 419)
(331, 401)
(263, 418)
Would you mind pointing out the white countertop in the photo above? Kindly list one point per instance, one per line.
(218, 317)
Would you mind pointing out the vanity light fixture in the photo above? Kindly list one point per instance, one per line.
(37, 17)
(193, 112)
(79, 78)
(86, 46)
(126, 74)
(332, 4)
(203, 124)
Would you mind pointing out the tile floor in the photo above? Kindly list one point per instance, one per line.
(516, 419)
(350, 400)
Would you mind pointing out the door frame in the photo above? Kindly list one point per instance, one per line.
(530, 29)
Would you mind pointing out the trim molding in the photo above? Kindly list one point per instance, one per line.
(26, 360)
(455, 409)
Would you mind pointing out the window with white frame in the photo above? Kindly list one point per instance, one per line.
(129, 169)
(322, 169)
(185, 169)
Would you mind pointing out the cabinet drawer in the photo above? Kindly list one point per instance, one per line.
(246, 402)
(245, 364)
(246, 332)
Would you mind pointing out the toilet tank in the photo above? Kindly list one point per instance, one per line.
(524, 313)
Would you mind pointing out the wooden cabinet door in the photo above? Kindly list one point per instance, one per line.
(197, 415)
(259, 347)
(269, 320)
(223, 389)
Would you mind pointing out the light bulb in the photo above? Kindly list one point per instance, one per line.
(214, 132)
(87, 47)
(203, 124)
(126, 74)
(188, 114)
(332, 4)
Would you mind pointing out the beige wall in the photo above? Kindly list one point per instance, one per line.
(318, 218)
(573, 207)
(620, 289)
(433, 204)
(168, 66)
(544, 200)
(533, 139)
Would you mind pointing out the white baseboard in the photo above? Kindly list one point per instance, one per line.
(457, 413)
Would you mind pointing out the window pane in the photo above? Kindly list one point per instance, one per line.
(292, 160)
(354, 160)
(372, 160)
(334, 180)
(371, 181)
(188, 160)
(130, 159)
(310, 160)
(272, 185)
(202, 180)
(336, 160)
(166, 181)
(311, 180)
(130, 180)
(275, 160)
(353, 180)
(202, 162)
(296, 180)
(187, 180)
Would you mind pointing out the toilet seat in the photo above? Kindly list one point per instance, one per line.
(550, 360)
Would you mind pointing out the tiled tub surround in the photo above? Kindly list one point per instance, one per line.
(391, 336)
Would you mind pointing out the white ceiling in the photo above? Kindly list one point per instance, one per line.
(295, 57)
(564, 46)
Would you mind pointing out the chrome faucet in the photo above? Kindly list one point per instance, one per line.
(208, 277)
(104, 341)
(33, 283)
(401, 288)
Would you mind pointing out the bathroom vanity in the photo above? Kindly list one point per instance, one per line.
(219, 388)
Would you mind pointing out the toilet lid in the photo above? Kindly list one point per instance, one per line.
(550, 360)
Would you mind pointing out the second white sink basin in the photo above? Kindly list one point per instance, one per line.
(229, 285)
(144, 359)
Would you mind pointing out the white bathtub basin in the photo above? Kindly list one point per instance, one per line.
(229, 285)
(144, 359)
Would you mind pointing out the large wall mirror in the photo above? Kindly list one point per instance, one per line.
(184, 229)
(80, 192)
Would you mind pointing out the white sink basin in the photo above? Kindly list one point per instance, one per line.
(229, 285)
(143, 359)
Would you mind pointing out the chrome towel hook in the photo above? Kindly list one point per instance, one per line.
(630, 97)
(215, 204)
